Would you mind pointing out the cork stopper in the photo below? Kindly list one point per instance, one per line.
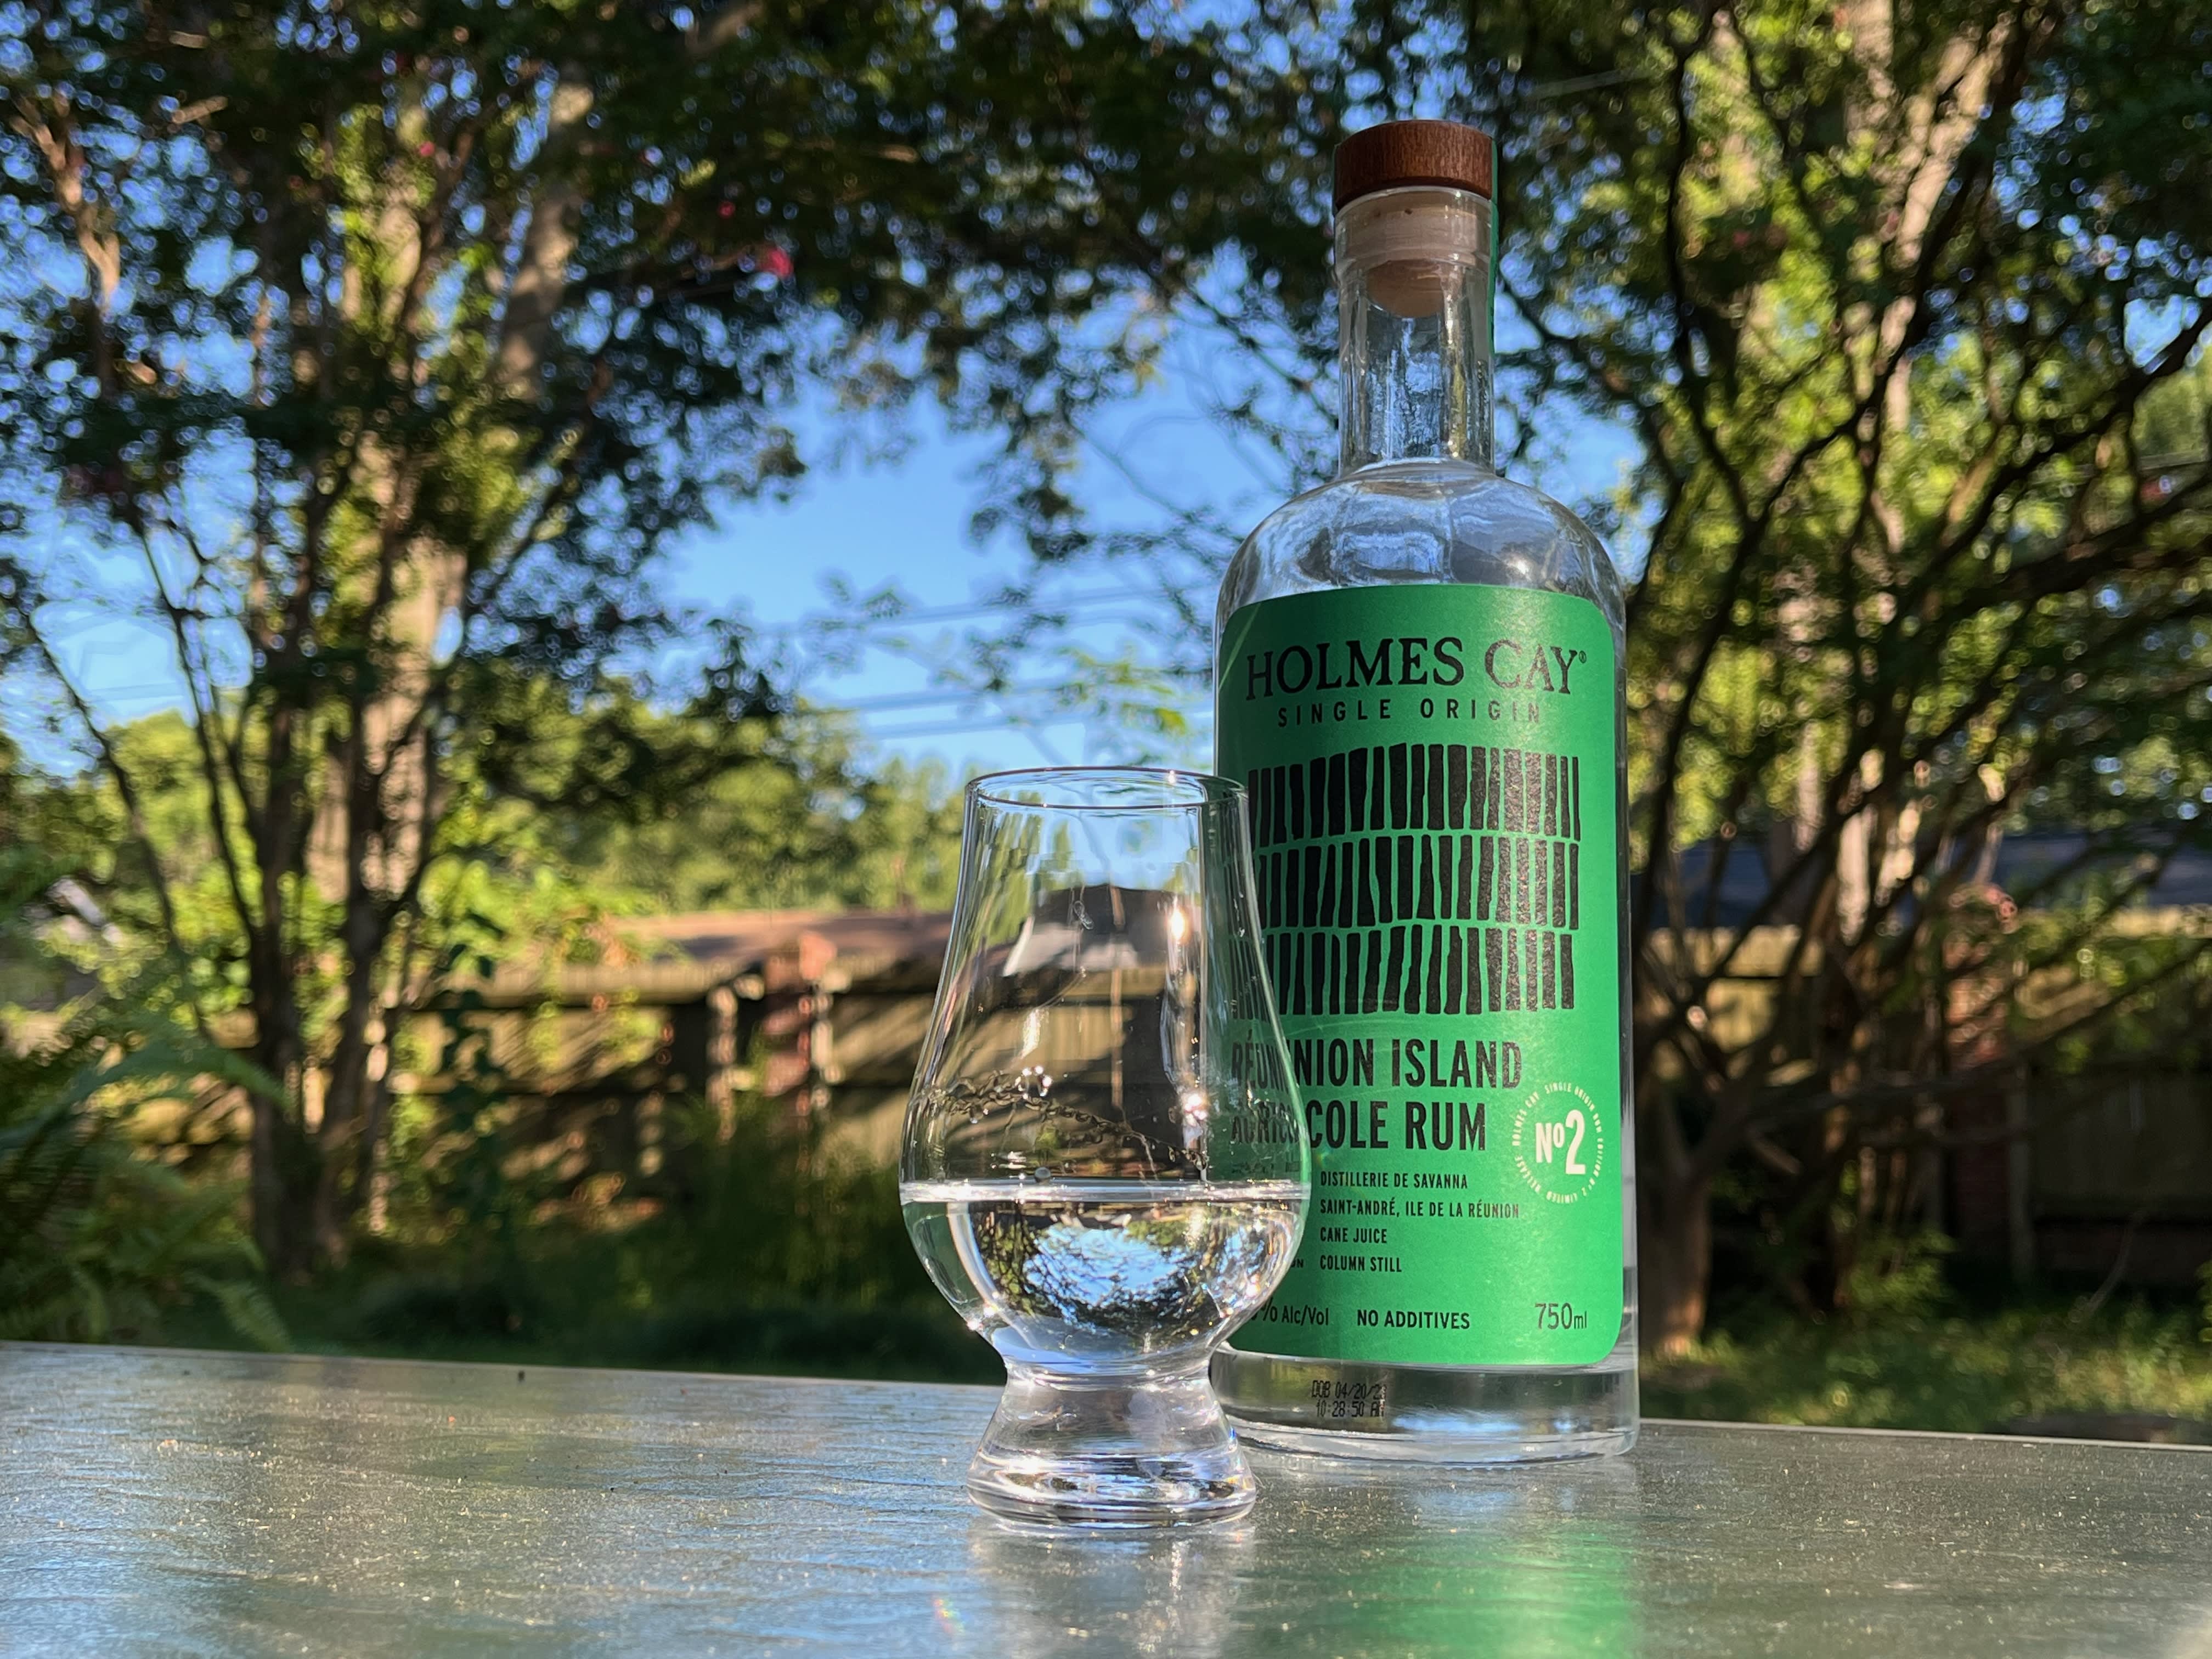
(1400, 153)
(1414, 245)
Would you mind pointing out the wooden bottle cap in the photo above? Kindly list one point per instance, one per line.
(1400, 153)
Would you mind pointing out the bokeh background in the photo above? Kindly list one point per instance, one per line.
(516, 519)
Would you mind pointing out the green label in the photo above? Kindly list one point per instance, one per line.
(1432, 771)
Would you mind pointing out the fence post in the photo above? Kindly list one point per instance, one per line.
(2020, 1179)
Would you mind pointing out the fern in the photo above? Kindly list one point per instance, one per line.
(97, 1239)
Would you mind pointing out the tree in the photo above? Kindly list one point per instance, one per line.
(1908, 281)
(393, 341)
(1904, 305)
(795, 823)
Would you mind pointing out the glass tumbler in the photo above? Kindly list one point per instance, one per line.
(1104, 1168)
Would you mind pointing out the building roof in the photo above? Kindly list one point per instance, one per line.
(689, 954)
(742, 940)
(2024, 862)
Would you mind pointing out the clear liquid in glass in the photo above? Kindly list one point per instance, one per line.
(1104, 1277)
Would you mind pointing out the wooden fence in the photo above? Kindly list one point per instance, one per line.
(824, 1014)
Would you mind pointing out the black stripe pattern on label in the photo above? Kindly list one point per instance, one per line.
(1420, 878)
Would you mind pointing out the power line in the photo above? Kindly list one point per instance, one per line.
(968, 611)
(897, 700)
(955, 728)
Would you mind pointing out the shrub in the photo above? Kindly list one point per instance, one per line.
(97, 1241)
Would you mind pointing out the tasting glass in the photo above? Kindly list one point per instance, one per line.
(1103, 1170)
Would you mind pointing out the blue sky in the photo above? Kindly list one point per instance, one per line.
(902, 523)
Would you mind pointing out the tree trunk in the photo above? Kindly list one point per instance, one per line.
(1674, 1244)
(283, 1163)
(353, 1071)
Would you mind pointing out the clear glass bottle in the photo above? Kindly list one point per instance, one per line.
(1443, 1306)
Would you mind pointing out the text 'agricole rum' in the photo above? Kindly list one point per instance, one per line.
(1420, 680)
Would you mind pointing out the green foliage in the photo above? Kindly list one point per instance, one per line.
(1896, 1278)
(765, 1209)
(791, 822)
(101, 1243)
(452, 1154)
(1942, 1365)
(98, 1240)
(764, 1247)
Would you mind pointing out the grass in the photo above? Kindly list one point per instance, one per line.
(573, 1309)
(2045, 1361)
(1948, 1361)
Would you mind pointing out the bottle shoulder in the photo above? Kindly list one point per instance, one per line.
(1425, 521)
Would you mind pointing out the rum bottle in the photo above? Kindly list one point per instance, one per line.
(1419, 678)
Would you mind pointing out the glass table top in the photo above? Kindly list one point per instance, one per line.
(184, 1502)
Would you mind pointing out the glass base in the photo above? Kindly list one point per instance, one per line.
(1115, 1451)
(1431, 1413)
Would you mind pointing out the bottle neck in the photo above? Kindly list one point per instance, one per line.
(1413, 276)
